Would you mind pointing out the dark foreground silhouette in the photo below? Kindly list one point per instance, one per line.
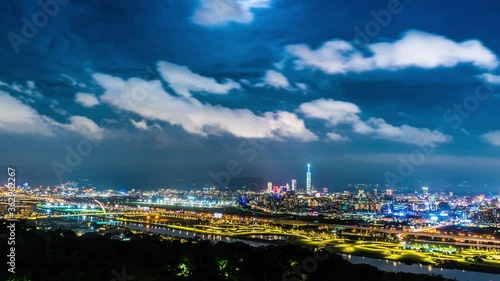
(63, 256)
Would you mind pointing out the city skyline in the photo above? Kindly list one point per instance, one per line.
(283, 92)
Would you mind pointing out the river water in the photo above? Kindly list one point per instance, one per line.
(394, 266)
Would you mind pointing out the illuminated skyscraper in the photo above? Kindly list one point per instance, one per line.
(269, 187)
(425, 190)
(294, 185)
(308, 180)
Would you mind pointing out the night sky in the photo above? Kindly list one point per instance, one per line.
(141, 94)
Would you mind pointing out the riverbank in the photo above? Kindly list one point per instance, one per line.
(377, 251)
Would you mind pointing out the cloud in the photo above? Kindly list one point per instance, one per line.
(54, 105)
(414, 49)
(221, 12)
(19, 118)
(491, 78)
(183, 81)
(492, 137)
(70, 79)
(141, 125)
(465, 132)
(337, 138)
(80, 125)
(379, 128)
(29, 88)
(346, 113)
(86, 100)
(301, 86)
(275, 79)
(336, 112)
(149, 100)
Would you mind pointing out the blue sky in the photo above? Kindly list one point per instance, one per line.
(168, 93)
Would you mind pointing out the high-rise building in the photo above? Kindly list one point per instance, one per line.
(269, 187)
(375, 192)
(425, 190)
(308, 180)
(294, 185)
(287, 186)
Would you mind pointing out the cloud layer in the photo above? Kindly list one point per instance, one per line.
(86, 100)
(19, 118)
(492, 137)
(221, 12)
(338, 113)
(415, 49)
(275, 79)
(149, 100)
(183, 81)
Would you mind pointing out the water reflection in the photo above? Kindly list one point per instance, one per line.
(460, 275)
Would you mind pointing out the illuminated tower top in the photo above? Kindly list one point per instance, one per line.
(308, 180)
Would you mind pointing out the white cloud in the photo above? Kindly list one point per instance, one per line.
(80, 125)
(346, 113)
(29, 88)
(415, 49)
(221, 12)
(70, 79)
(301, 86)
(141, 125)
(19, 118)
(54, 105)
(183, 81)
(379, 128)
(492, 138)
(491, 78)
(275, 79)
(149, 100)
(337, 138)
(336, 112)
(86, 100)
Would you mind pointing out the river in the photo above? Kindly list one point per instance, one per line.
(388, 265)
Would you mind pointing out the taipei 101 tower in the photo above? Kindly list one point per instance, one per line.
(308, 180)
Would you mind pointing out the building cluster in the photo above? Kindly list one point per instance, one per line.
(283, 198)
